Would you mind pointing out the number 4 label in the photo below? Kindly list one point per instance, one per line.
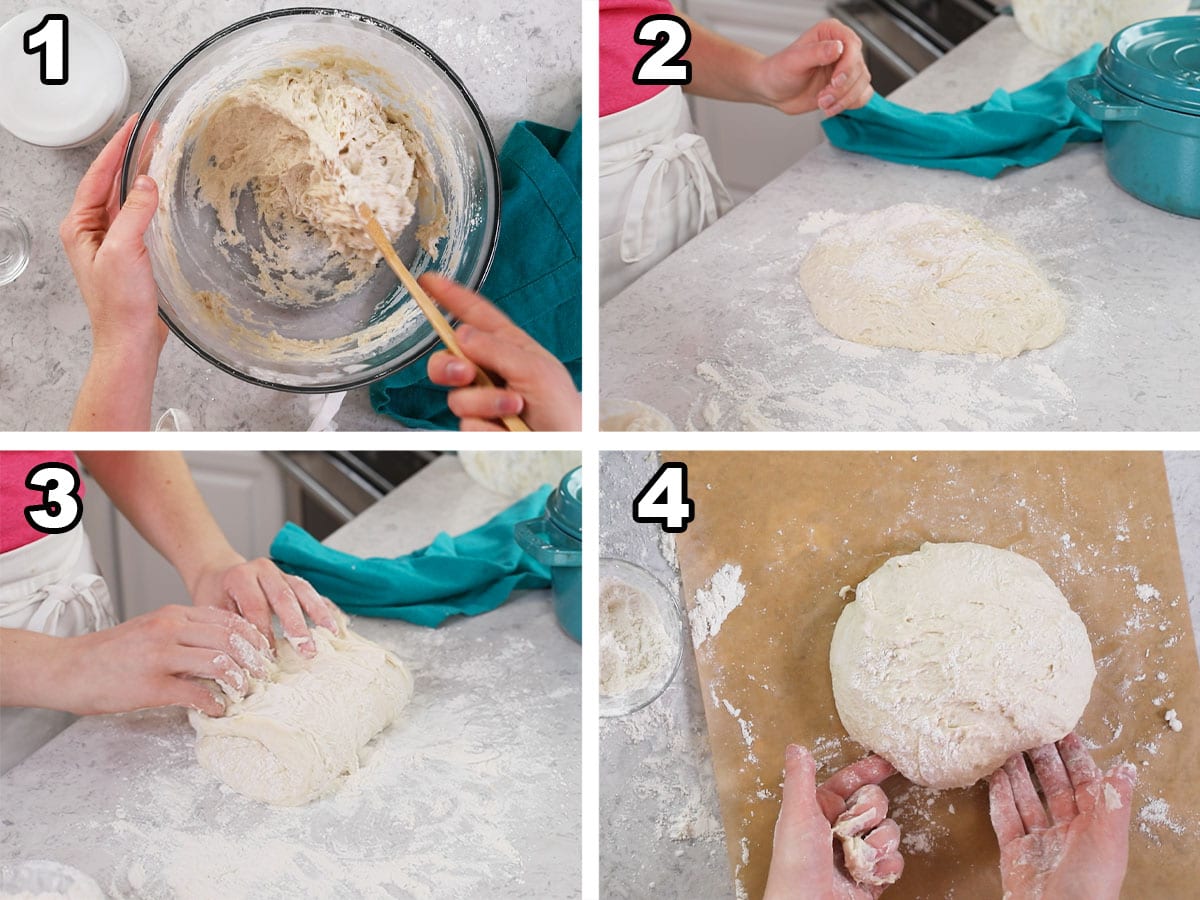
(61, 507)
(664, 500)
(670, 37)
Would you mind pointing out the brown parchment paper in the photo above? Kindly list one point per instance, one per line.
(801, 525)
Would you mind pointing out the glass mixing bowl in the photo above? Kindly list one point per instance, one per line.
(216, 307)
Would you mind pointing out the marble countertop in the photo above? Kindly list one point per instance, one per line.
(660, 820)
(474, 792)
(518, 60)
(719, 336)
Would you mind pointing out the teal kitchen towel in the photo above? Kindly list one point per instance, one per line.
(1025, 128)
(454, 576)
(536, 275)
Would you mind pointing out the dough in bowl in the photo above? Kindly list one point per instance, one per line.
(298, 734)
(953, 658)
(928, 278)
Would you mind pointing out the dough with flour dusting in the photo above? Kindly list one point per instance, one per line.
(298, 734)
(953, 658)
(928, 278)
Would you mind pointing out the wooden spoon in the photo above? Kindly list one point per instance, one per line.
(432, 313)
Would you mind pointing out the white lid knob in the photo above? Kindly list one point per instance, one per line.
(91, 101)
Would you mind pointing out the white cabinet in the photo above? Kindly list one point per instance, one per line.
(244, 490)
(751, 144)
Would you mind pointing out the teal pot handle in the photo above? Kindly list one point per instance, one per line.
(1082, 92)
(532, 538)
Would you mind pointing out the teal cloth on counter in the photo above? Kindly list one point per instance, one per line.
(1025, 128)
(536, 275)
(454, 576)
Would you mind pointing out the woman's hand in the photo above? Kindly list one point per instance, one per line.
(154, 660)
(536, 386)
(1077, 845)
(851, 806)
(103, 242)
(256, 589)
(822, 69)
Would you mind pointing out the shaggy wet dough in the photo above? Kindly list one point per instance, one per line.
(307, 145)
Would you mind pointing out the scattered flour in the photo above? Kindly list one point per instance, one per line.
(1155, 816)
(724, 593)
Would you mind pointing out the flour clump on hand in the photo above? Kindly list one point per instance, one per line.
(926, 278)
(298, 734)
(953, 658)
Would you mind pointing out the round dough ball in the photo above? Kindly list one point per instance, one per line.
(515, 473)
(953, 658)
(1068, 27)
(927, 278)
(619, 414)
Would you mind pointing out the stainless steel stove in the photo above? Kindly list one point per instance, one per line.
(902, 37)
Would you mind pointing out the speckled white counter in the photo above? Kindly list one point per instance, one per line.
(661, 833)
(518, 60)
(475, 792)
(720, 337)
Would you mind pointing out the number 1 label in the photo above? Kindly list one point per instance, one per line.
(48, 39)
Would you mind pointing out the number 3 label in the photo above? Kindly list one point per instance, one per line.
(664, 500)
(670, 37)
(61, 507)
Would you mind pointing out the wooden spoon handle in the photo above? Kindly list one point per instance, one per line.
(440, 326)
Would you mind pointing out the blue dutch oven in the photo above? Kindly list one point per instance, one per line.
(1146, 94)
(556, 541)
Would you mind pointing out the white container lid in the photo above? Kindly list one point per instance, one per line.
(61, 115)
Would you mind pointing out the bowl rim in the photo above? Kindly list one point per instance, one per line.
(608, 706)
(431, 339)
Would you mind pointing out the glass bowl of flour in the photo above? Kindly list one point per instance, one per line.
(641, 637)
(263, 140)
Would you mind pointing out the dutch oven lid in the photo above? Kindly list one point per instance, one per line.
(1157, 61)
(565, 506)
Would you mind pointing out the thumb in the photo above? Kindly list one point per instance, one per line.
(799, 789)
(130, 224)
(804, 55)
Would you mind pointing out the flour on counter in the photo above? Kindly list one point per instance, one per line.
(715, 602)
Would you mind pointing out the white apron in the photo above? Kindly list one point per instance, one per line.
(51, 586)
(659, 188)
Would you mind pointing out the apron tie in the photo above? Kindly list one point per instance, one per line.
(639, 235)
(83, 596)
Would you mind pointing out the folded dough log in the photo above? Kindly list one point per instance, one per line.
(298, 734)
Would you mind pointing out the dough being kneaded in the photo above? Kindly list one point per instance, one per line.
(298, 734)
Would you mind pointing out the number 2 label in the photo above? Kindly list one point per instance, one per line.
(48, 39)
(61, 507)
(670, 37)
(664, 500)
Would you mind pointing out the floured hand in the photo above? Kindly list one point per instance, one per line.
(1077, 845)
(258, 588)
(155, 660)
(850, 806)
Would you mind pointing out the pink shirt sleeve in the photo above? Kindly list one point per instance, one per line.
(619, 53)
(15, 466)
